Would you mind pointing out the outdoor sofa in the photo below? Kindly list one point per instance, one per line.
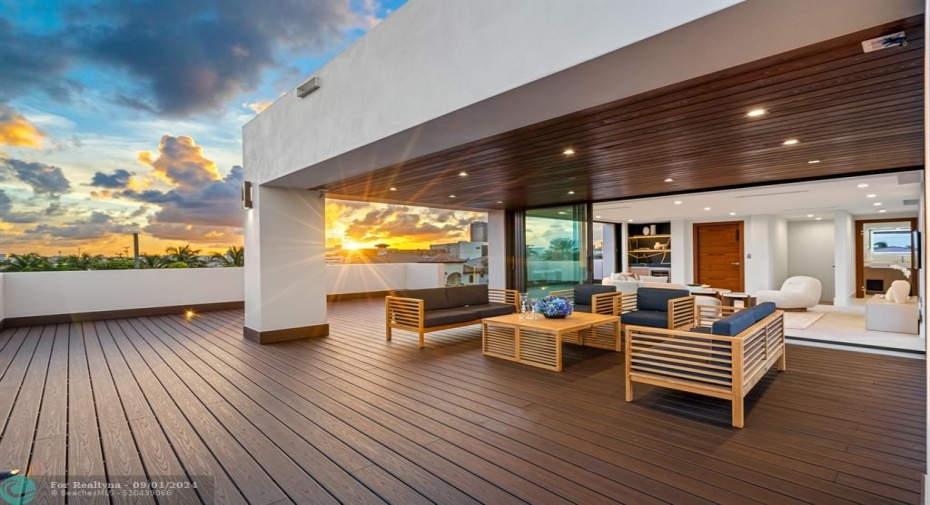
(426, 310)
(724, 360)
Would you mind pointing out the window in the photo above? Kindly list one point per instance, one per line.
(890, 241)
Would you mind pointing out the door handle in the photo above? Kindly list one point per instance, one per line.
(736, 263)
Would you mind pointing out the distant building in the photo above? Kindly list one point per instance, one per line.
(462, 249)
(479, 231)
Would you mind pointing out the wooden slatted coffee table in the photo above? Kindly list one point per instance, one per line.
(538, 342)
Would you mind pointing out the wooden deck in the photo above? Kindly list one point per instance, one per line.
(351, 418)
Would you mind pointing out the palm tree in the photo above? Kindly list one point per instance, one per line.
(152, 261)
(184, 254)
(31, 262)
(561, 249)
(77, 262)
(233, 257)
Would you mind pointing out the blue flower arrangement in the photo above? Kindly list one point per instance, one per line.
(554, 307)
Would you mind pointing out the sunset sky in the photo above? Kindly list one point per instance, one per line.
(120, 116)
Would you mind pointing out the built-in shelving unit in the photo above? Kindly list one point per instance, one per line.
(650, 245)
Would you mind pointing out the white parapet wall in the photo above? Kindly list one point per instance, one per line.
(30, 294)
(50, 293)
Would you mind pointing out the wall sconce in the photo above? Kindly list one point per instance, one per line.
(246, 195)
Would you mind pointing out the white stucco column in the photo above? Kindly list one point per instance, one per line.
(609, 251)
(285, 272)
(497, 249)
(844, 257)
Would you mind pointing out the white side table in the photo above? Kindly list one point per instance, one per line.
(885, 315)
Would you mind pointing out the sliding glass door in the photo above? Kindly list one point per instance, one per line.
(558, 252)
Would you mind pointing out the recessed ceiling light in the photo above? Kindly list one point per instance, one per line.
(791, 142)
(881, 210)
(863, 185)
(819, 219)
(393, 188)
(568, 152)
(813, 162)
(756, 113)
(877, 204)
(677, 202)
(629, 220)
(733, 213)
(562, 212)
(500, 201)
(463, 174)
(571, 192)
(597, 217)
(669, 180)
(870, 195)
(451, 196)
(810, 215)
(706, 208)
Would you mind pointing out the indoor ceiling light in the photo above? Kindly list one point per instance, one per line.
(568, 152)
(629, 220)
(881, 210)
(500, 201)
(813, 162)
(733, 213)
(571, 192)
(562, 212)
(877, 204)
(810, 215)
(870, 195)
(677, 202)
(451, 196)
(597, 217)
(863, 185)
(756, 113)
(706, 208)
(669, 180)
(819, 219)
(791, 142)
(463, 174)
(393, 188)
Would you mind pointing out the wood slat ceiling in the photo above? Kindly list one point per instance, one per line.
(855, 112)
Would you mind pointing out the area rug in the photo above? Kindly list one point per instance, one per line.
(801, 320)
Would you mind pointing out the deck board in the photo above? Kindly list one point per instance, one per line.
(351, 418)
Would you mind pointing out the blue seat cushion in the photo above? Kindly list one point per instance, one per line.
(583, 292)
(650, 318)
(657, 298)
(582, 308)
(443, 317)
(492, 309)
(738, 322)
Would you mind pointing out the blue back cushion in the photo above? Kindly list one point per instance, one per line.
(583, 292)
(657, 298)
(467, 295)
(738, 322)
(433, 298)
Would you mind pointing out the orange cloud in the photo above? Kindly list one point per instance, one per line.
(17, 131)
(181, 162)
(258, 106)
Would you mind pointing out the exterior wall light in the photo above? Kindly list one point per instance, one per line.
(246, 195)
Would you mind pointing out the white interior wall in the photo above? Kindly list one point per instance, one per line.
(497, 250)
(624, 247)
(811, 252)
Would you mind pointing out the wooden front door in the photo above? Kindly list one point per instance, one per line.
(718, 255)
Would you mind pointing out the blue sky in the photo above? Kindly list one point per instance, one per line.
(119, 116)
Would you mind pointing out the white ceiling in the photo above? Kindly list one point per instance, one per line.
(792, 201)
